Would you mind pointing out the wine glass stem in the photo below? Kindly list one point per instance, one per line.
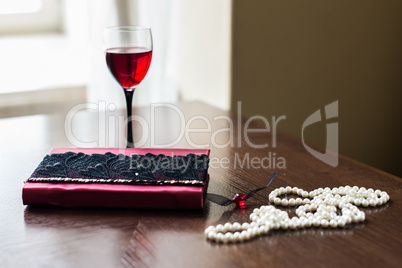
(129, 101)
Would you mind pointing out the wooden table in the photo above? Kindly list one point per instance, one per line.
(55, 237)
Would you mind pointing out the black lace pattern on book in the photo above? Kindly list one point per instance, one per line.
(122, 169)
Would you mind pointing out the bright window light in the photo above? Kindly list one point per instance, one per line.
(19, 6)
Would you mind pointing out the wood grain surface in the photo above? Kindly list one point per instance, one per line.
(54, 237)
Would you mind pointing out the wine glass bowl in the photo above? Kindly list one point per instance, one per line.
(128, 57)
(128, 65)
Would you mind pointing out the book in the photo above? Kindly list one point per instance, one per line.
(120, 178)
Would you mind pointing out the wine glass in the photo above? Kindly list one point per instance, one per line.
(128, 57)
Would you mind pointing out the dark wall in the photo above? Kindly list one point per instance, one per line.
(293, 57)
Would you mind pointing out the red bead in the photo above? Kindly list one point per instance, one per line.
(240, 200)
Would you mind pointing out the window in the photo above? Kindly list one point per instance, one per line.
(30, 16)
(41, 63)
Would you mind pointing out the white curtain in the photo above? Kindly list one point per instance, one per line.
(160, 84)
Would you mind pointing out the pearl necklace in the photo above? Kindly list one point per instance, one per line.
(318, 208)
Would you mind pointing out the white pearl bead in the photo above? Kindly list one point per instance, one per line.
(301, 223)
(236, 237)
(245, 226)
(219, 237)
(302, 214)
(292, 225)
(358, 202)
(228, 226)
(227, 238)
(242, 236)
(292, 202)
(341, 223)
(210, 228)
(299, 191)
(220, 228)
(261, 230)
(333, 224)
(254, 231)
(211, 235)
(248, 234)
(236, 226)
(260, 222)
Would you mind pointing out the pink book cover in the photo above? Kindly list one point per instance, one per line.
(105, 195)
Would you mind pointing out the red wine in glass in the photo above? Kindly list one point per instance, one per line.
(128, 65)
(128, 52)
